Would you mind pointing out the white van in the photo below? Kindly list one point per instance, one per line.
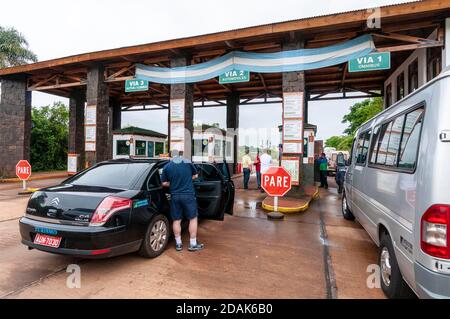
(398, 187)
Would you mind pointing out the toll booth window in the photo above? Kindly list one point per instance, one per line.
(228, 149)
(400, 86)
(413, 76)
(122, 148)
(362, 148)
(410, 140)
(217, 148)
(434, 64)
(151, 149)
(140, 148)
(159, 148)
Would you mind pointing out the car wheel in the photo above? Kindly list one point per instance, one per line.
(391, 279)
(348, 215)
(156, 237)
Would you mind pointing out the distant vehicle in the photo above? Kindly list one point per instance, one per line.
(332, 160)
(397, 186)
(117, 207)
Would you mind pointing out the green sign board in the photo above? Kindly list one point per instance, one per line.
(136, 85)
(234, 76)
(371, 62)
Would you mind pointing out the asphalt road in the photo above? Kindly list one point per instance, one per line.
(315, 254)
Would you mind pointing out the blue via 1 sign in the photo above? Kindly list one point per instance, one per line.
(136, 85)
(371, 62)
(234, 76)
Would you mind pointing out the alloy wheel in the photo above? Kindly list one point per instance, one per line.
(158, 235)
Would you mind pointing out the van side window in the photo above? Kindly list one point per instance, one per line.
(411, 139)
(362, 148)
(395, 143)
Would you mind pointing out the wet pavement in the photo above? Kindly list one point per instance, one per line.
(315, 254)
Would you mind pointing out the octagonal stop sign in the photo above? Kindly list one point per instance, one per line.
(276, 181)
(23, 170)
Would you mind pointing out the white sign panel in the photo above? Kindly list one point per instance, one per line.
(89, 146)
(90, 132)
(91, 115)
(293, 105)
(177, 110)
(177, 131)
(292, 148)
(292, 130)
(72, 163)
(292, 165)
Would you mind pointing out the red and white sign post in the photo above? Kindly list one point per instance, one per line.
(276, 182)
(23, 172)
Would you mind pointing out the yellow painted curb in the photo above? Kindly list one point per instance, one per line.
(289, 210)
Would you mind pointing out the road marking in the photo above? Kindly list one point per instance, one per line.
(330, 279)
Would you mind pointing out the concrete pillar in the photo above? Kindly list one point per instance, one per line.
(97, 95)
(183, 93)
(233, 101)
(76, 126)
(116, 114)
(294, 82)
(15, 124)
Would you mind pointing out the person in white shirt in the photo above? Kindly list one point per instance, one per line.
(266, 161)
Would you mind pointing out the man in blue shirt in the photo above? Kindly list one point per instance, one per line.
(178, 174)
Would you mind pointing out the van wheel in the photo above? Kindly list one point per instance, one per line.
(348, 215)
(156, 237)
(391, 279)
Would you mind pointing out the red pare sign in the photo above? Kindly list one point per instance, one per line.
(23, 170)
(276, 181)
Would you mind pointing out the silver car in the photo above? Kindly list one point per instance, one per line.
(398, 187)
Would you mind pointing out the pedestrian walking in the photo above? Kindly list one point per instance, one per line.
(178, 175)
(246, 166)
(323, 166)
(257, 164)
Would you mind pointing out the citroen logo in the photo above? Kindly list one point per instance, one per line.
(55, 201)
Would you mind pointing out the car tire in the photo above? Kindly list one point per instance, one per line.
(348, 215)
(391, 279)
(156, 237)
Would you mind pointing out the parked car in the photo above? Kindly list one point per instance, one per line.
(117, 207)
(397, 186)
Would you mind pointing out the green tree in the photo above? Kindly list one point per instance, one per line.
(49, 137)
(334, 141)
(14, 48)
(362, 112)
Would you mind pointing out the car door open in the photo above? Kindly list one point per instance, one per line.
(210, 192)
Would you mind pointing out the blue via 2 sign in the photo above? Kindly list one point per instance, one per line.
(371, 62)
(234, 76)
(136, 85)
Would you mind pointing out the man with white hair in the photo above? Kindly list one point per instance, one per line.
(266, 162)
(178, 175)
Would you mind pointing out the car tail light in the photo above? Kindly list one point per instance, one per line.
(107, 208)
(434, 232)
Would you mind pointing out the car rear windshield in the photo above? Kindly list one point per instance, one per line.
(111, 175)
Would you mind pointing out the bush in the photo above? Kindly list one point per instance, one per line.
(49, 137)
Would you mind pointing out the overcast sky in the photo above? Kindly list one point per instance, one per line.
(61, 28)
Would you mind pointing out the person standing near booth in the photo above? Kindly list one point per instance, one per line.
(323, 167)
(257, 164)
(246, 166)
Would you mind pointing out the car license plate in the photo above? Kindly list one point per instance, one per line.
(46, 240)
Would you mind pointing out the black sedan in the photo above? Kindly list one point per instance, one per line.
(117, 207)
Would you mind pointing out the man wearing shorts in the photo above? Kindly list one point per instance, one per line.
(178, 174)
